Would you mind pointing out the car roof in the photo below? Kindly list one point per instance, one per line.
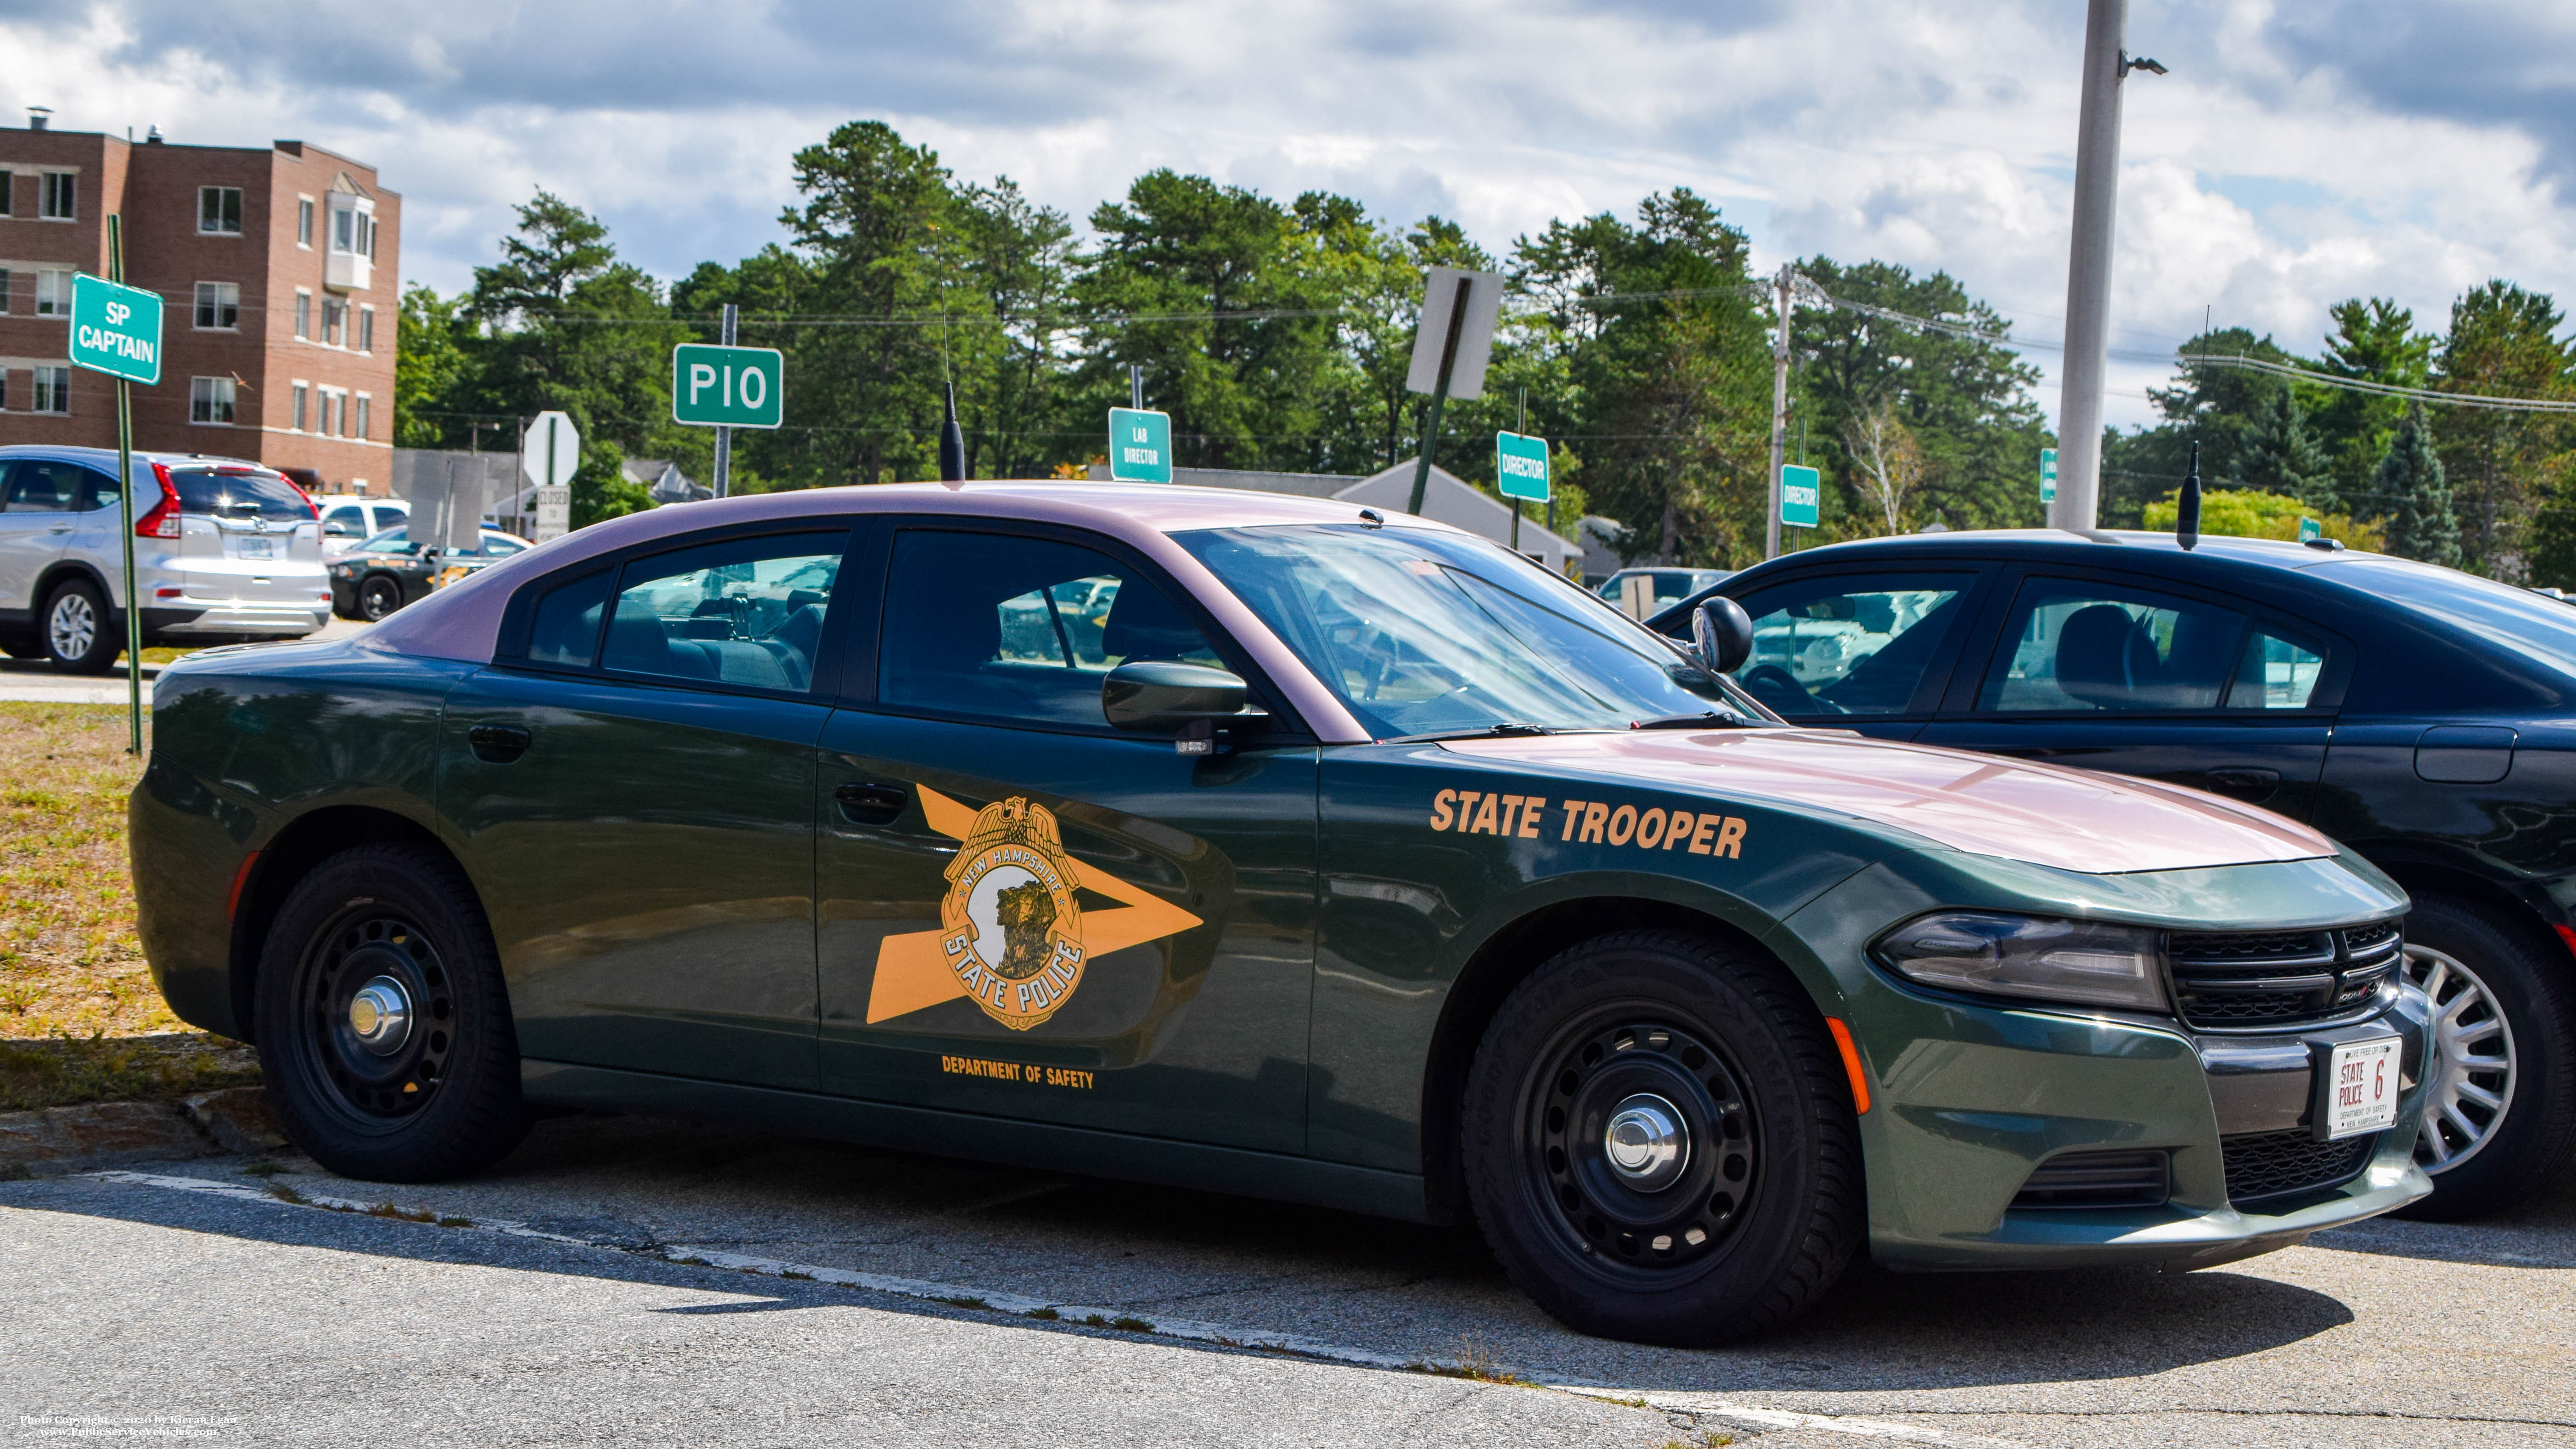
(105, 458)
(2107, 548)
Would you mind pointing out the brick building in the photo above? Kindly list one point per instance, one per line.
(277, 267)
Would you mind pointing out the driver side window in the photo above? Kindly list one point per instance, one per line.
(1848, 645)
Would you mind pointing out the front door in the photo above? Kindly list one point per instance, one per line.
(38, 497)
(1026, 913)
(2109, 675)
(633, 791)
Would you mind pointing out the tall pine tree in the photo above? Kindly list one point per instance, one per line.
(2409, 484)
(2281, 456)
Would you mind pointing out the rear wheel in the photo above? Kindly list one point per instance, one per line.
(377, 597)
(79, 635)
(384, 1028)
(2500, 1114)
(1659, 1142)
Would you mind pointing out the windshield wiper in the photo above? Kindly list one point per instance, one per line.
(1486, 732)
(1713, 719)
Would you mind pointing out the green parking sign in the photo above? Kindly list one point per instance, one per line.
(116, 329)
(1520, 466)
(2048, 475)
(727, 387)
(1800, 488)
(1140, 445)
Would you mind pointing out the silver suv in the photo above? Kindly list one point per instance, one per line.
(225, 552)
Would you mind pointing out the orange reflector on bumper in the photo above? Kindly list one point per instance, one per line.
(1851, 1063)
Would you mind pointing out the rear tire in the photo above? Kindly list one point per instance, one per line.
(434, 1095)
(2501, 996)
(1732, 1224)
(80, 635)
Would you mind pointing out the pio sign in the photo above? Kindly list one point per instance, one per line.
(1140, 445)
(116, 329)
(727, 387)
(1800, 490)
(1520, 466)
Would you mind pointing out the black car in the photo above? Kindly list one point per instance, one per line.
(2424, 716)
(389, 570)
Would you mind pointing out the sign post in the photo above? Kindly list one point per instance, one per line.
(1520, 472)
(1140, 446)
(1800, 491)
(727, 387)
(116, 329)
(1451, 345)
(2310, 530)
(548, 455)
(2048, 475)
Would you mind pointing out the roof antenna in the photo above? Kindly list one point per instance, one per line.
(952, 439)
(2187, 505)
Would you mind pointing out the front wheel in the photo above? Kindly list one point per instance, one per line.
(2500, 1109)
(1659, 1141)
(377, 597)
(384, 1028)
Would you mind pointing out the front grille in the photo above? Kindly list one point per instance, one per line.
(2269, 1164)
(2098, 1180)
(2280, 980)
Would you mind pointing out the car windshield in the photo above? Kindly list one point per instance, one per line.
(1425, 633)
(241, 494)
(392, 540)
(2534, 626)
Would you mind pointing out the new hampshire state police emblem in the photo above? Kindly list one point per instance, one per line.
(1010, 928)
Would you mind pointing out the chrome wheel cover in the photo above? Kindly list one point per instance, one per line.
(2470, 1066)
(72, 626)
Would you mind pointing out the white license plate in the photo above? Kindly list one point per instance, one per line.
(252, 548)
(2361, 1086)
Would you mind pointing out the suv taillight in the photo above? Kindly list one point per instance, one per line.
(163, 520)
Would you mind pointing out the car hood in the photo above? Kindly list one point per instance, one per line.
(2043, 814)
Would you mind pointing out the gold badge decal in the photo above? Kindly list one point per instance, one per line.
(1011, 934)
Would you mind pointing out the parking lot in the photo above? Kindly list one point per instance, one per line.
(556, 1299)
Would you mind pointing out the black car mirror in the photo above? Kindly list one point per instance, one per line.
(1721, 634)
(1155, 696)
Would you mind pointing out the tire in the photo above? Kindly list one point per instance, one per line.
(79, 634)
(378, 596)
(2504, 1013)
(442, 1101)
(1768, 1176)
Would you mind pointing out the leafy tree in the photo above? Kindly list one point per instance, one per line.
(2409, 488)
(2251, 513)
(2374, 341)
(1016, 256)
(2279, 456)
(434, 365)
(2502, 342)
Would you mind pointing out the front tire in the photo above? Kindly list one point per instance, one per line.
(80, 636)
(384, 1027)
(1659, 1141)
(2501, 1114)
(378, 597)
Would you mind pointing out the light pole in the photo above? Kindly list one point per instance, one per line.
(2088, 268)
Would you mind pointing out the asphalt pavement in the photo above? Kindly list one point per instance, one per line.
(38, 680)
(634, 1281)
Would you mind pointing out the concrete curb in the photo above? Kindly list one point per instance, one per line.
(57, 1141)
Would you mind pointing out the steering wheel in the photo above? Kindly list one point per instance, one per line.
(1780, 691)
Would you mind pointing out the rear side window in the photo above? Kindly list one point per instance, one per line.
(1838, 646)
(565, 627)
(2074, 647)
(39, 485)
(746, 611)
(241, 494)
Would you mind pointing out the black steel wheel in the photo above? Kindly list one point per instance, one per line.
(378, 596)
(1659, 1143)
(384, 1032)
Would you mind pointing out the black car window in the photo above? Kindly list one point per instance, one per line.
(565, 626)
(1843, 645)
(240, 494)
(2072, 646)
(40, 485)
(746, 611)
(1019, 628)
(2275, 673)
(2539, 629)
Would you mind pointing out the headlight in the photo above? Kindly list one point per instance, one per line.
(1999, 955)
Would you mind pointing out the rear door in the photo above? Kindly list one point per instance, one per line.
(1868, 650)
(37, 498)
(2108, 672)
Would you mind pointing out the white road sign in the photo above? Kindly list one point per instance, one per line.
(551, 440)
(554, 513)
(1475, 331)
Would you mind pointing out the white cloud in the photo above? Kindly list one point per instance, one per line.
(2292, 158)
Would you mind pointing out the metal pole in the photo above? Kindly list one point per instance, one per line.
(1136, 387)
(1779, 406)
(724, 435)
(1439, 396)
(2088, 271)
(125, 492)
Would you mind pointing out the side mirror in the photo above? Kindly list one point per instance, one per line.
(1156, 696)
(1721, 635)
(335, 530)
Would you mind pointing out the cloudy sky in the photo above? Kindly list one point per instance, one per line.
(2297, 154)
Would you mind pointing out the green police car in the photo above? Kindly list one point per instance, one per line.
(1270, 845)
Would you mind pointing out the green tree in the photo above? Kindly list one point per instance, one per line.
(1017, 257)
(2373, 341)
(434, 367)
(2279, 456)
(2502, 343)
(2409, 488)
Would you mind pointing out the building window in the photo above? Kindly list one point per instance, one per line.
(303, 313)
(55, 202)
(335, 314)
(366, 329)
(304, 222)
(8, 193)
(219, 210)
(53, 389)
(361, 429)
(218, 305)
(332, 408)
(210, 400)
(4, 282)
(300, 394)
(53, 293)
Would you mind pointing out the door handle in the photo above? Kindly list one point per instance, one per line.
(59, 528)
(498, 744)
(863, 803)
(2250, 784)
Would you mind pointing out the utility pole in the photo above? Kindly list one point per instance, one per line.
(724, 435)
(1136, 387)
(2088, 266)
(1779, 404)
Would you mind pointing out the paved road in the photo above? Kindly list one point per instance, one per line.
(299, 1325)
(36, 679)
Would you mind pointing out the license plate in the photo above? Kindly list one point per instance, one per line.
(2361, 1087)
(252, 548)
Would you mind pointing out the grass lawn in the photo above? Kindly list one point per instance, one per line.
(79, 1018)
